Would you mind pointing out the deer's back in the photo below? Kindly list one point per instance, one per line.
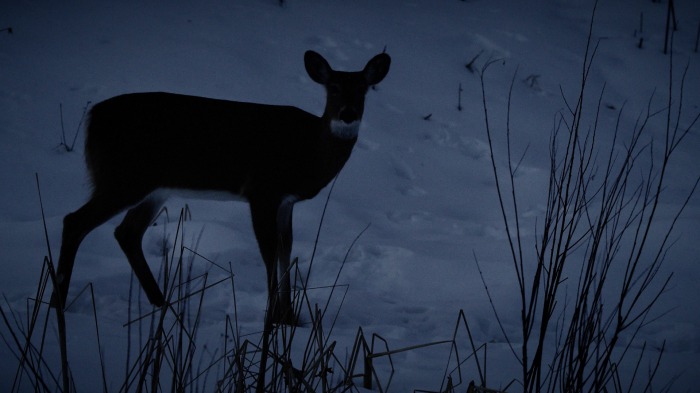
(157, 140)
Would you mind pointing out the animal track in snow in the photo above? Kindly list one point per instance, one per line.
(407, 176)
(402, 169)
(471, 147)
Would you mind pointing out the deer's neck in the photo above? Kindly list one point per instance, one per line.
(339, 128)
(343, 130)
(338, 141)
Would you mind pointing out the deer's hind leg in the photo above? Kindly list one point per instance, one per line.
(130, 233)
(100, 208)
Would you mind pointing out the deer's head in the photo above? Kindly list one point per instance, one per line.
(345, 91)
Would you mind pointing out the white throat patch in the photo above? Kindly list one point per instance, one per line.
(344, 130)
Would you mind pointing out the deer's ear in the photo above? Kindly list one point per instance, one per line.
(377, 68)
(317, 67)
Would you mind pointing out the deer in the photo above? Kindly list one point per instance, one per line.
(141, 148)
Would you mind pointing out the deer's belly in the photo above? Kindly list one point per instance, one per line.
(209, 195)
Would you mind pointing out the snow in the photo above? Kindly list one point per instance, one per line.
(424, 187)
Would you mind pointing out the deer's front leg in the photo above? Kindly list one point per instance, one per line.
(284, 247)
(264, 215)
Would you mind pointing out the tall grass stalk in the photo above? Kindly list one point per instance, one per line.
(579, 320)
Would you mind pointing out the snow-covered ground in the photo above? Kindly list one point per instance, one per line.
(425, 186)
